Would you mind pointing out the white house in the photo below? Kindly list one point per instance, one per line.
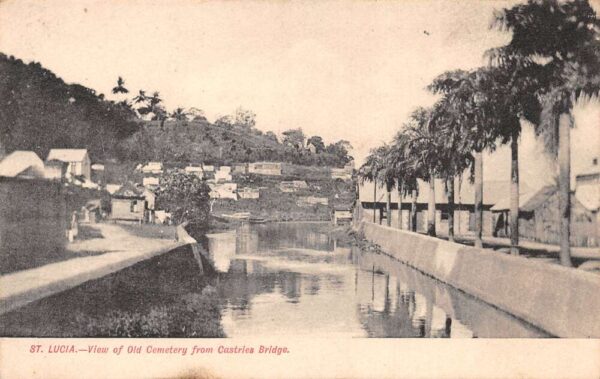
(78, 160)
(208, 168)
(22, 164)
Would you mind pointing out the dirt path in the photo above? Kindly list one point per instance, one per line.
(116, 250)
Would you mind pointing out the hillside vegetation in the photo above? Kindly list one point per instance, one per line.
(39, 111)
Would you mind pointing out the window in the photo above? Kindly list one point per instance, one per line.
(133, 206)
(445, 215)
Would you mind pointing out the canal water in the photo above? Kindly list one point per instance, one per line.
(292, 279)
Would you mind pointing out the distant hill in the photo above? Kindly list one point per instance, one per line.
(39, 111)
(201, 141)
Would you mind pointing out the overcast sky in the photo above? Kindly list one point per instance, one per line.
(343, 70)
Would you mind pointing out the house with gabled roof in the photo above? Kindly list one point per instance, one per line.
(78, 160)
(22, 164)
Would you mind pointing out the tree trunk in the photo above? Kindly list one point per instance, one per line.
(478, 199)
(451, 209)
(388, 207)
(374, 202)
(564, 186)
(431, 207)
(514, 195)
(413, 211)
(400, 190)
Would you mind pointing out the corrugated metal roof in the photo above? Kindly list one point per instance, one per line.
(19, 161)
(528, 201)
(67, 155)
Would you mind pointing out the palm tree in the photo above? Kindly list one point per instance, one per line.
(454, 155)
(120, 87)
(466, 99)
(179, 114)
(563, 35)
(406, 178)
(370, 172)
(422, 148)
(141, 97)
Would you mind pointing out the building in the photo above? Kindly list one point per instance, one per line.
(265, 168)
(129, 204)
(77, 159)
(223, 174)
(539, 218)
(223, 191)
(152, 168)
(249, 193)
(464, 205)
(22, 164)
(56, 170)
(208, 168)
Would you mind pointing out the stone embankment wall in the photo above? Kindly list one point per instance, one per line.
(559, 300)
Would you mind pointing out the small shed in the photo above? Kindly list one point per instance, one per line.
(129, 203)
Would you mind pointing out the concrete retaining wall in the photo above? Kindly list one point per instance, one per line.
(559, 300)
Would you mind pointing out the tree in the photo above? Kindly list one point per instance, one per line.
(294, 138)
(179, 114)
(272, 136)
(341, 150)
(120, 87)
(422, 146)
(317, 142)
(186, 197)
(564, 36)
(245, 118)
(398, 159)
(465, 97)
(224, 122)
(454, 156)
(370, 172)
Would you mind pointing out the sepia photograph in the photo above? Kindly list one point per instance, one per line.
(299, 188)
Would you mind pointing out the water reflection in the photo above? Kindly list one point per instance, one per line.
(295, 279)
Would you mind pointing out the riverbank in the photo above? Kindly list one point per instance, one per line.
(110, 248)
(559, 300)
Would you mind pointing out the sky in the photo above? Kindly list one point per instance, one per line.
(349, 70)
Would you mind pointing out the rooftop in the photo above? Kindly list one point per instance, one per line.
(19, 161)
(67, 155)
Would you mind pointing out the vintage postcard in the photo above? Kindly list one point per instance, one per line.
(307, 189)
